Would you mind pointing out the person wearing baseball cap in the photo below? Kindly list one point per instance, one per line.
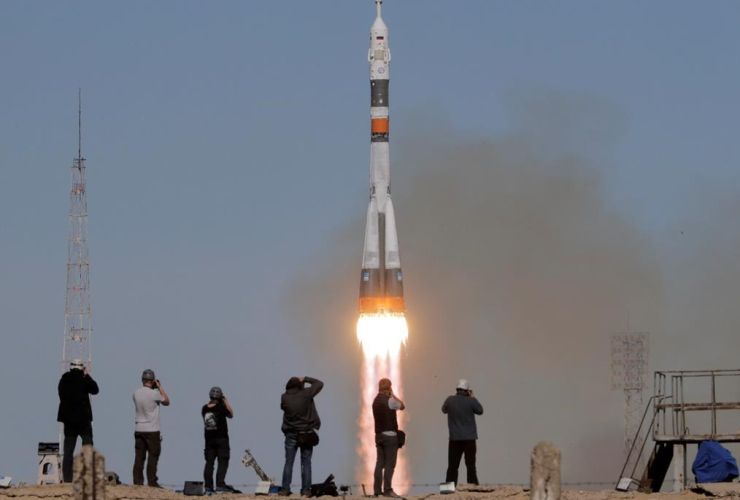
(216, 430)
(75, 411)
(147, 432)
(461, 410)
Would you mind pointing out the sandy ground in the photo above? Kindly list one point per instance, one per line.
(64, 492)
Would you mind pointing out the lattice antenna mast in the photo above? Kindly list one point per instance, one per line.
(77, 312)
(630, 354)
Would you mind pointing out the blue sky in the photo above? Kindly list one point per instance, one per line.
(227, 147)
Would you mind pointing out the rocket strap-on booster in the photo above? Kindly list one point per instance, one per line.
(381, 282)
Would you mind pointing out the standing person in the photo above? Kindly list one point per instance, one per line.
(216, 428)
(461, 410)
(75, 411)
(300, 423)
(147, 434)
(385, 406)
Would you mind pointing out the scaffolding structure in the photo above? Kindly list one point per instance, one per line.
(668, 427)
(630, 353)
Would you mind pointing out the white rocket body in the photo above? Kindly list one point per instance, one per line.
(381, 285)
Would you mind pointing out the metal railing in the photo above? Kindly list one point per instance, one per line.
(672, 416)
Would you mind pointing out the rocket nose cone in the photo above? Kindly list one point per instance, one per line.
(379, 24)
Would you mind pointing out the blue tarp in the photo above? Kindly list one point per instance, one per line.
(714, 464)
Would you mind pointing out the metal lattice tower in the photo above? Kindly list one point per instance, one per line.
(77, 313)
(630, 353)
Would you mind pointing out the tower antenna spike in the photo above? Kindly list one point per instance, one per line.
(79, 123)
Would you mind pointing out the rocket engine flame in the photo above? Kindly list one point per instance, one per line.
(382, 336)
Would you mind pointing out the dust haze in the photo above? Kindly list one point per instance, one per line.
(518, 265)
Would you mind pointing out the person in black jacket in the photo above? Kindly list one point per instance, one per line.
(461, 410)
(385, 406)
(300, 423)
(75, 411)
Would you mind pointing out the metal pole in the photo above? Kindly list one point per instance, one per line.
(714, 407)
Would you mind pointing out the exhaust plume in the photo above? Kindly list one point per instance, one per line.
(518, 268)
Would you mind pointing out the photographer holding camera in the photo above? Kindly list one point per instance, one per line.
(216, 431)
(387, 438)
(75, 411)
(461, 410)
(147, 435)
(300, 423)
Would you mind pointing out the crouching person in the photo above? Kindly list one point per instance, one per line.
(214, 415)
(300, 423)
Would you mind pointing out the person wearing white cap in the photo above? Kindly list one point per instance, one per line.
(75, 411)
(461, 410)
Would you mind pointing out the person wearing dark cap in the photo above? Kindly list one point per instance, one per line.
(300, 423)
(75, 411)
(461, 410)
(147, 432)
(216, 428)
(385, 407)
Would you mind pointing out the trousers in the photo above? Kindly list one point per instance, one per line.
(454, 454)
(147, 443)
(71, 431)
(216, 448)
(387, 454)
(291, 448)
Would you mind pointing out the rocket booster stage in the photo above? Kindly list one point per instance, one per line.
(381, 284)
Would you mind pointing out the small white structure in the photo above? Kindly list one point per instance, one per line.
(446, 488)
(50, 464)
(263, 488)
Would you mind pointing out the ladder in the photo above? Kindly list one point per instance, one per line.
(653, 476)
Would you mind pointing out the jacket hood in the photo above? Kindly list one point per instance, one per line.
(293, 383)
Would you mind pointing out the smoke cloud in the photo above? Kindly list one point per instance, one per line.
(517, 268)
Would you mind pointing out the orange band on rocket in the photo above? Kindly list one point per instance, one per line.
(374, 305)
(379, 126)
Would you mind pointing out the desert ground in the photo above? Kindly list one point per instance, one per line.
(64, 492)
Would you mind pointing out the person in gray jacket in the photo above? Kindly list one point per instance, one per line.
(461, 410)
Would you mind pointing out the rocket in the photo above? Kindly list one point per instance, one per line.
(381, 282)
